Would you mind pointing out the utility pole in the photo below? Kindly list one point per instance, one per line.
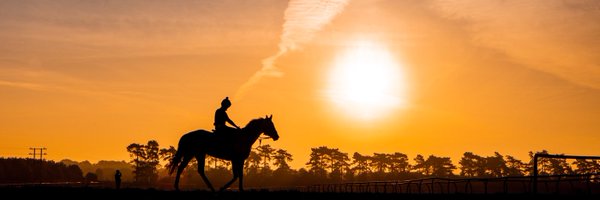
(41, 154)
(35, 149)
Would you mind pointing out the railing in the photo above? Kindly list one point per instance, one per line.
(563, 184)
(560, 156)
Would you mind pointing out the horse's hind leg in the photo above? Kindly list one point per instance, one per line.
(200, 159)
(180, 168)
(240, 171)
(234, 168)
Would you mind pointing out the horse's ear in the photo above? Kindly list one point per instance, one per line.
(266, 116)
(271, 117)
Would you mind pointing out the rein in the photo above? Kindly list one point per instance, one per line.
(261, 138)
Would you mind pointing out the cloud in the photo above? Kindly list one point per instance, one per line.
(302, 20)
(23, 85)
(556, 37)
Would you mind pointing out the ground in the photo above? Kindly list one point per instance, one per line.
(63, 193)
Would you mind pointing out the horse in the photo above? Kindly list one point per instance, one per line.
(234, 147)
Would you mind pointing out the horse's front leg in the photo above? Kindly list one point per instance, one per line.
(201, 161)
(234, 166)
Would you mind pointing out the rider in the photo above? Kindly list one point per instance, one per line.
(221, 117)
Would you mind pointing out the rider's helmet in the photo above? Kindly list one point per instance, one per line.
(225, 102)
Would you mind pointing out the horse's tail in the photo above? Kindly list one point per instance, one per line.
(175, 162)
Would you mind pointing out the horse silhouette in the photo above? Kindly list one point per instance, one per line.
(233, 147)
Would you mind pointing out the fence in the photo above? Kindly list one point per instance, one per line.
(561, 156)
(586, 183)
(571, 183)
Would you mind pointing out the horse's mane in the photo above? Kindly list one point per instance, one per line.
(253, 122)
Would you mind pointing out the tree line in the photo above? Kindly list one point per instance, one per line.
(26, 170)
(268, 166)
(104, 169)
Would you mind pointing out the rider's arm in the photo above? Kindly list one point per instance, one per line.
(230, 121)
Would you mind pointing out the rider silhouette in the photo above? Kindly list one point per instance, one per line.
(221, 118)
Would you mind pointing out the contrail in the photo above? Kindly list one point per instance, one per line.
(302, 19)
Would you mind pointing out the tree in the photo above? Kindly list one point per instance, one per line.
(167, 155)
(560, 166)
(91, 177)
(399, 163)
(74, 171)
(281, 158)
(421, 166)
(496, 165)
(86, 166)
(514, 167)
(212, 162)
(361, 164)
(339, 163)
(252, 162)
(550, 166)
(543, 164)
(472, 165)
(283, 174)
(99, 173)
(440, 166)
(434, 166)
(586, 166)
(25, 170)
(323, 159)
(380, 162)
(317, 163)
(266, 152)
(145, 158)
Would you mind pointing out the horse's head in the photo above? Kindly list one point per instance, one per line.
(269, 128)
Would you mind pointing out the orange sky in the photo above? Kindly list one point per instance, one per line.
(86, 79)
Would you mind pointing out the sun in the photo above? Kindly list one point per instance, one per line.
(366, 82)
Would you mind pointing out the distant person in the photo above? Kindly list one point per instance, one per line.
(221, 118)
(118, 179)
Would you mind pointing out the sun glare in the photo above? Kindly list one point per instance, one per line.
(366, 82)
